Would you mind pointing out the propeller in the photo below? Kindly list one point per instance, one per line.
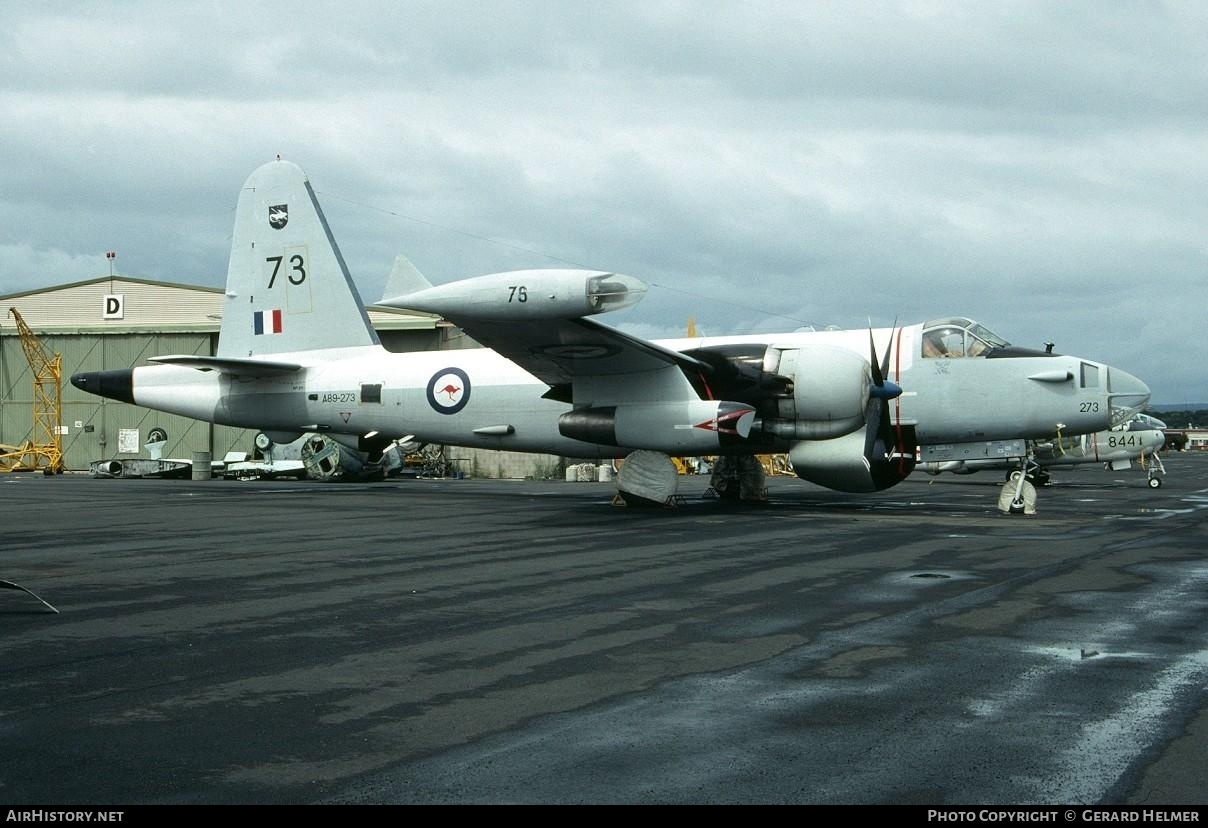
(879, 430)
(882, 388)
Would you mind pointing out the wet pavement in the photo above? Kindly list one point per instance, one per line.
(519, 641)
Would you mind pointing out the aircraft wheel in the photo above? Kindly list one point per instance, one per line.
(1155, 482)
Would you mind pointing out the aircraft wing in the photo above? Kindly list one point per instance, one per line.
(230, 365)
(557, 351)
(537, 319)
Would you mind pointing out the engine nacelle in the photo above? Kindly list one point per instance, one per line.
(829, 383)
(683, 426)
(525, 295)
(830, 392)
(841, 464)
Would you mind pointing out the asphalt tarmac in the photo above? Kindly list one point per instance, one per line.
(490, 641)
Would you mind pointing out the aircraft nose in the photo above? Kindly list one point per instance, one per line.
(1127, 395)
(117, 384)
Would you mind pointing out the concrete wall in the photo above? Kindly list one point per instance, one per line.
(504, 464)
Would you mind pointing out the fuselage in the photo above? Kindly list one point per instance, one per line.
(477, 398)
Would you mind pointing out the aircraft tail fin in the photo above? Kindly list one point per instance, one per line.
(288, 288)
(404, 279)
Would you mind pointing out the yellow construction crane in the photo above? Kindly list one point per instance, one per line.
(45, 450)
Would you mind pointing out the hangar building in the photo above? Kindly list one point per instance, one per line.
(118, 322)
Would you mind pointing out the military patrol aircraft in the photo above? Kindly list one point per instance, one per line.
(1137, 440)
(296, 354)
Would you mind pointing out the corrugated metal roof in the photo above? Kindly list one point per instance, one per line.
(146, 306)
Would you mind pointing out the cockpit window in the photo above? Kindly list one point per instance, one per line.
(1145, 421)
(1141, 422)
(958, 336)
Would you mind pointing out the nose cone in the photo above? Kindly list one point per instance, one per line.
(116, 385)
(1127, 395)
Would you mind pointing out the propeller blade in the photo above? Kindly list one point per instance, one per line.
(878, 375)
(881, 388)
(885, 362)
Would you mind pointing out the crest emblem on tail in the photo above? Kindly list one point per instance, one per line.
(278, 216)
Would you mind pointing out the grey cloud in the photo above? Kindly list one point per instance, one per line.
(1037, 166)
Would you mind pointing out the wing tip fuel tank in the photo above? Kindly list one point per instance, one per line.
(526, 295)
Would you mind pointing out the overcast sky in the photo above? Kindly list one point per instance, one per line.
(1040, 167)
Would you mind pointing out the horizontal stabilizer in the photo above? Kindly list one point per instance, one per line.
(230, 365)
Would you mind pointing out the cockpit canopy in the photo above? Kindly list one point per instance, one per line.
(1144, 422)
(958, 336)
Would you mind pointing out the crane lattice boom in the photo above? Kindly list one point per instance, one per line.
(45, 450)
